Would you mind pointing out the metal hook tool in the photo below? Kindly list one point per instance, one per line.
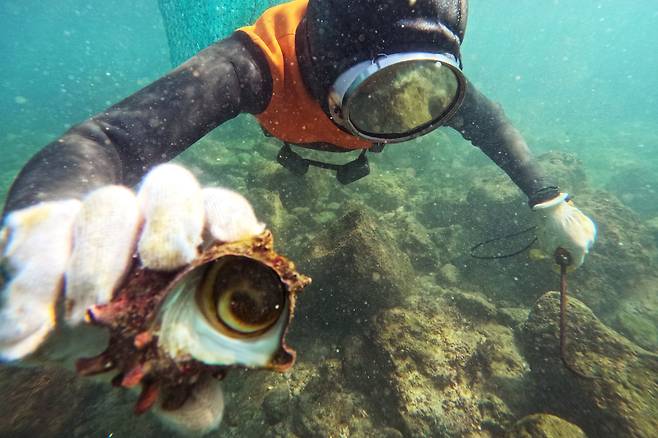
(563, 259)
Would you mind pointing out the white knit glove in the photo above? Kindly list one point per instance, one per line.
(565, 226)
(89, 245)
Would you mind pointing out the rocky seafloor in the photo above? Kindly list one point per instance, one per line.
(403, 333)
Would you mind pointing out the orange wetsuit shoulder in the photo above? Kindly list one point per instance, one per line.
(292, 114)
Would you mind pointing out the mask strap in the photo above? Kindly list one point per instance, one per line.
(345, 173)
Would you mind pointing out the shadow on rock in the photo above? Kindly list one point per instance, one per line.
(357, 270)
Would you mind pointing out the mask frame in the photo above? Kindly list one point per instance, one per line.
(347, 84)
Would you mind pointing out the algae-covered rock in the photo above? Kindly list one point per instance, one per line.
(637, 187)
(315, 399)
(473, 305)
(512, 316)
(447, 375)
(544, 426)
(622, 397)
(276, 405)
(387, 192)
(358, 271)
(327, 407)
(566, 169)
(412, 239)
(453, 242)
(637, 316)
(53, 402)
(449, 274)
(652, 226)
(269, 206)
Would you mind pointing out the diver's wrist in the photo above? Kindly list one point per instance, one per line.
(543, 195)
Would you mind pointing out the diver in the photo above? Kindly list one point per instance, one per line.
(341, 75)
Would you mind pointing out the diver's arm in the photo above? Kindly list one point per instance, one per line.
(152, 126)
(484, 123)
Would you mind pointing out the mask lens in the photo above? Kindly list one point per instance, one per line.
(403, 98)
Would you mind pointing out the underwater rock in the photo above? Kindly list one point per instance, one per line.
(499, 201)
(497, 211)
(313, 190)
(622, 397)
(359, 272)
(53, 402)
(259, 404)
(386, 192)
(566, 169)
(619, 273)
(453, 243)
(501, 204)
(275, 405)
(269, 205)
(314, 400)
(637, 317)
(449, 273)
(496, 415)
(412, 239)
(544, 426)
(447, 375)
(512, 316)
(637, 187)
(473, 305)
(327, 408)
(325, 217)
(652, 225)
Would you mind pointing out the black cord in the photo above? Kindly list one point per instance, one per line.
(496, 239)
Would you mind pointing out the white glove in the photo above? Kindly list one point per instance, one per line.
(565, 226)
(89, 245)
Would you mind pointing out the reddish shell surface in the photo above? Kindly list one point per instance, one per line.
(131, 318)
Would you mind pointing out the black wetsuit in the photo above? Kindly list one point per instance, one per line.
(119, 145)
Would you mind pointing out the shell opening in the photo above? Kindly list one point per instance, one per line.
(241, 296)
(231, 311)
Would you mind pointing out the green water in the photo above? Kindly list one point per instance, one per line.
(577, 78)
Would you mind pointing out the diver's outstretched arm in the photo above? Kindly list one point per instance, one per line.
(484, 124)
(119, 145)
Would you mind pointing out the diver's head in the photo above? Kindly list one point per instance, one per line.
(344, 45)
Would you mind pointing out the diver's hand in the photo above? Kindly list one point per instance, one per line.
(84, 248)
(565, 226)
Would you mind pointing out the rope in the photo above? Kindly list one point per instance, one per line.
(496, 239)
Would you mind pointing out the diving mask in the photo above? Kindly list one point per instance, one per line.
(394, 98)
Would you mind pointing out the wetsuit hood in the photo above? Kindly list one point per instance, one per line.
(336, 34)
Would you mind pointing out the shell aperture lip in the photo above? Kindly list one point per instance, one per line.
(190, 326)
